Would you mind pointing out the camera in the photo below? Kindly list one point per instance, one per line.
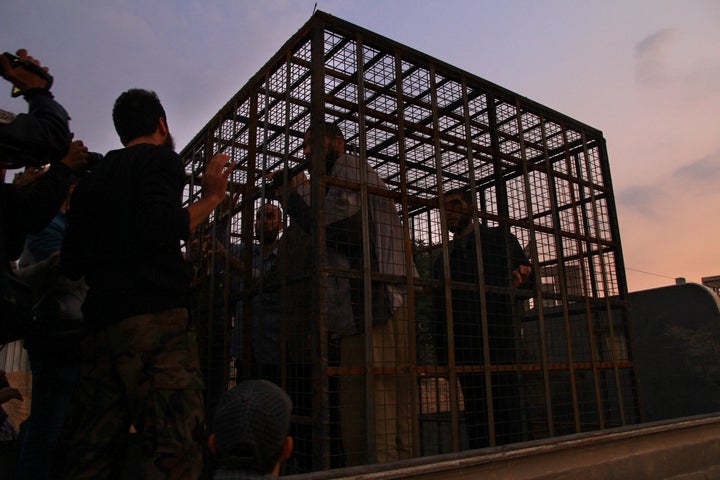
(30, 67)
(93, 158)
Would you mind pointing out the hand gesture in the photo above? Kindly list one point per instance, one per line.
(29, 175)
(214, 186)
(275, 179)
(9, 393)
(214, 182)
(521, 275)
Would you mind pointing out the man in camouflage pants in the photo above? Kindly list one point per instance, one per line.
(139, 360)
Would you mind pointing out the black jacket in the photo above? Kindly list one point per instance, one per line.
(38, 137)
(501, 254)
(125, 225)
(27, 210)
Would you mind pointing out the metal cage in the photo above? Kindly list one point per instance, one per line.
(553, 360)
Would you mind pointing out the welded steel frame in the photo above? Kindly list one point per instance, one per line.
(427, 127)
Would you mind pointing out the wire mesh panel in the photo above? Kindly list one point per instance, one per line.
(448, 274)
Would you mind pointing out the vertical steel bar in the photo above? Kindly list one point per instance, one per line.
(228, 297)
(589, 316)
(321, 415)
(605, 274)
(452, 372)
(620, 268)
(503, 211)
(409, 261)
(210, 293)
(566, 316)
(533, 246)
(599, 383)
(247, 226)
(549, 177)
(283, 268)
(370, 373)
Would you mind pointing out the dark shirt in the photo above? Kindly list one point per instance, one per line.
(29, 208)
(501, 254)
(266, 311)
(125, 225)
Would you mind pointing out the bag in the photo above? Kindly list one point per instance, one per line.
(16, 306)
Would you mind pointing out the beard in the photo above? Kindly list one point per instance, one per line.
(266, 235)
(169, 142)
(330, 158)
(460, 225)
(269, 236)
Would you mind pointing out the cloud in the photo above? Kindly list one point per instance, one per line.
(677, 191)
(704, 172)
(642, 199)
(651, 67)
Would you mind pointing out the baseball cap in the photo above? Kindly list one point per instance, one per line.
(250, 425)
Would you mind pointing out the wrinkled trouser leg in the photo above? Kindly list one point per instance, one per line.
(142, 371)
(392, 395)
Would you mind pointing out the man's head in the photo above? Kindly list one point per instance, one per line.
(138, 113)
(251, 426)
(458, 209)
(268, 223)
(333, 140)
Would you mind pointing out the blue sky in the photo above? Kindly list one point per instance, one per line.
(645, 72)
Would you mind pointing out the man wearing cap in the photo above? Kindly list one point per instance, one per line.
(250, 431)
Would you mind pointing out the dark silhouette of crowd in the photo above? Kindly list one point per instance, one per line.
(105, 261)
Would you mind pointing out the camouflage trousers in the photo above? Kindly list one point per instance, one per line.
(141, 372)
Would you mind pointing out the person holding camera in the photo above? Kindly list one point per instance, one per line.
(36, 138)
(42, 135)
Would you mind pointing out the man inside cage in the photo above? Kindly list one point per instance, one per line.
(265, 295)
(505, 267)
(345, 297)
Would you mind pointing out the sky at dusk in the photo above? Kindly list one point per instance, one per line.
(645, 72)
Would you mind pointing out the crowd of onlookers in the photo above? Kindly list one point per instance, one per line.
(94, 281)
